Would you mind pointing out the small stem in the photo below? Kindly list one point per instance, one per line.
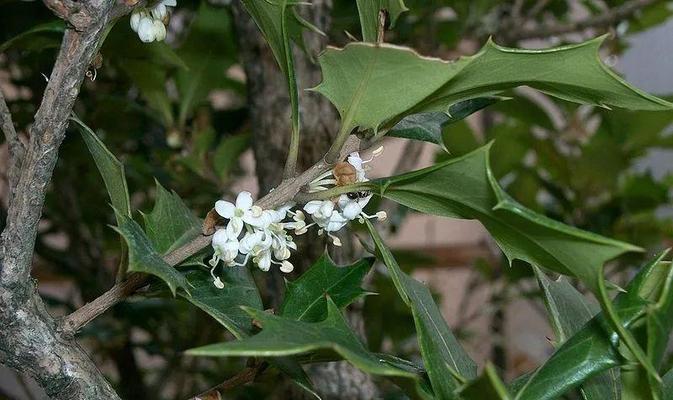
(334, 151)
(293, 154)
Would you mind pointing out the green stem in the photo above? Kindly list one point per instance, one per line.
(293, 152)
(623, 334)
(332, 155)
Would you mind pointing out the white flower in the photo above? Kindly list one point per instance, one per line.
(146, 31)
(352, 208)
(169, 3)
(235, 213)
(319, 209)
(355, 160)
(225, 246)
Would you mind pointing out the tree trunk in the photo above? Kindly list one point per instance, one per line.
(270, 112)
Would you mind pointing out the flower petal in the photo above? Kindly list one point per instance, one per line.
(312, 206)
(352, 210)
(225, 208)
(244, 200)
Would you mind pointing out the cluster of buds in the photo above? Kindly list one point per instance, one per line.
(263, 236)
(150, 23)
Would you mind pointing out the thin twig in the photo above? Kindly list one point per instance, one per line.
(608, 18)
(284, 193)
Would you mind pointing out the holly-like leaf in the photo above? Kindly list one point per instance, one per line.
(487, 386)
(114, 178)
(594, 348)
(305, 298)
(445, 360)
(144, 258)
(428, 126)
(171, 223)
(365, 81)
(465, 188)
(282, 337)
(569, 311)
(110, 168)
(369, 15)
(224, 305)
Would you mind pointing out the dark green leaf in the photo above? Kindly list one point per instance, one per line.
(465, 188)
(171, 223)
(305, 297)
(111, 170)
(594, 348)
(428, 126)
(282, 337)
(569, 311)
(364, 81)
(144, 258)
(225, 304)
(445, 360)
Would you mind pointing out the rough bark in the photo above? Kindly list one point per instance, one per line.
(270, 112)
(29, 340)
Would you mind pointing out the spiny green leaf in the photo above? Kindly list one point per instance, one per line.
(428, 126)
(445, 360)
(170, 223)
(569, 311)
(144, 258)
(114, 178)
(225, 304)
(110, 168)
(369, 15)
(593, 349)
(364, 81)
(282, 337)
(465, 188)
(305, 298)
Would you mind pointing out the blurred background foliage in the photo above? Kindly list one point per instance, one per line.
(177, 112)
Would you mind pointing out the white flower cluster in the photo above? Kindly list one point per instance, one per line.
(150, 24)
(262, 235)
(254, 232)
(333, 214)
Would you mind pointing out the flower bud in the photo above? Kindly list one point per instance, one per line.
(146, 31)
(159, 12)
(218, 283)
(135, 20)
(286, 267)
(159, 30)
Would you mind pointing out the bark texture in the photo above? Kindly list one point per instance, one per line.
(29, 340)
(270, 115)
